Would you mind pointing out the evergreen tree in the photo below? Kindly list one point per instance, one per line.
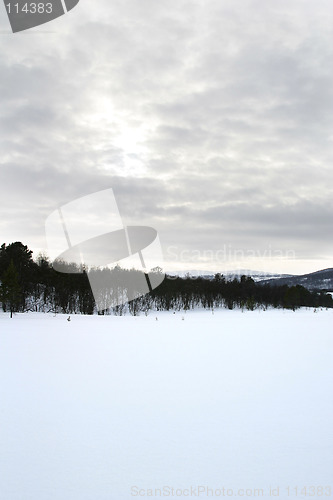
(10, 291)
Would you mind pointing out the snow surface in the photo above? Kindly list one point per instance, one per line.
(104, 407)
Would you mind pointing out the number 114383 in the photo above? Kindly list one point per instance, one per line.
(30, 8)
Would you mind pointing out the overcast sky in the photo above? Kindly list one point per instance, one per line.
(212, 120)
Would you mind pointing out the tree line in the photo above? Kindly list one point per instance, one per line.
(29, 285)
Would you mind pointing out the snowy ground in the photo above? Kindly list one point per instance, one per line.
(108, 408)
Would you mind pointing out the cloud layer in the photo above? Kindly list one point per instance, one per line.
(212, 122)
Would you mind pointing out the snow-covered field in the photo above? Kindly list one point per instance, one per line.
(111, 408)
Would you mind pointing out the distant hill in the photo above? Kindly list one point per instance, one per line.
(319, 280)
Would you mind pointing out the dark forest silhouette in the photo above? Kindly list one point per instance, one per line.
(28, 285)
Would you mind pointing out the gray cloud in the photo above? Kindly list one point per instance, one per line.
(213, 123)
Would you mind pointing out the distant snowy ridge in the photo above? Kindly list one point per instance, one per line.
(319, 280)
